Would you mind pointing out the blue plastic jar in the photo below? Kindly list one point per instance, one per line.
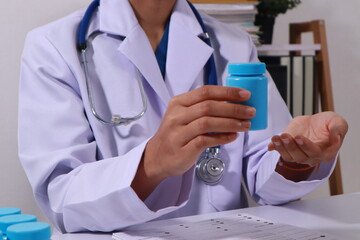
(250, 76)
(4, 211)
(29, 231)
(7, 221)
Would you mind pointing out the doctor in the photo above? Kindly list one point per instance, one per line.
(91, 176)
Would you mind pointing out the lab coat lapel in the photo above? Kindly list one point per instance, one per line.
(187, 53)
(136, 47)
(117, 17)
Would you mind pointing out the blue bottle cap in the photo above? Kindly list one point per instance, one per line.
(246, 68)
(29, 231)
(9, 220)
(9, 211)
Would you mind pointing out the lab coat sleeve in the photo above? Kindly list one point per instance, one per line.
(59, 152)
(265, 185)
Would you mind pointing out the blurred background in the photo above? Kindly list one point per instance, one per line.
(17, 17)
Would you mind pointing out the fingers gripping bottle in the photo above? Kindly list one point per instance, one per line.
(250, 76)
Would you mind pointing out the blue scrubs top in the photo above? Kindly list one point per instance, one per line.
(161, 50)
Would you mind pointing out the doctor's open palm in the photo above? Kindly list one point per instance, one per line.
(205, 117)
(311, 139)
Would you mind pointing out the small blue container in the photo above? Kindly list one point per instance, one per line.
(250, 76)
(9, 220)
(29, 231)
(4, 211)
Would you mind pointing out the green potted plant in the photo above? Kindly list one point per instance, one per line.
(268, 10)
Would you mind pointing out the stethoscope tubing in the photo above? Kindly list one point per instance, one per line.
(209, 169)
(84, 25)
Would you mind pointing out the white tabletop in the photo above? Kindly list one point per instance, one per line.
(336, 215)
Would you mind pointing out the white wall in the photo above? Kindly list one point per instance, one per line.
(17, 17)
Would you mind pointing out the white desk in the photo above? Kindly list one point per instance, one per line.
(337, 215)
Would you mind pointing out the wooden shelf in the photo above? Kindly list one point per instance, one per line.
(285, 49)
(289, 47)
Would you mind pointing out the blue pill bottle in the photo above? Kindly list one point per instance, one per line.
(250, 76)
(29, 231)
(8, 220)
(4, 211)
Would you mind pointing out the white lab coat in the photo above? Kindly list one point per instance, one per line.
(81, 170)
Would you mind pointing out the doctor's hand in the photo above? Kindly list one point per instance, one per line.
(193, 121)
(309, 141)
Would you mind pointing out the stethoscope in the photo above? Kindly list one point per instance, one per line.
(209, 168)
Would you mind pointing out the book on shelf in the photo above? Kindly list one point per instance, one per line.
(239, 13)
(302, 83)
(294, 78)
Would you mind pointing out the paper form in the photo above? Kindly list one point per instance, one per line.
(239, 226)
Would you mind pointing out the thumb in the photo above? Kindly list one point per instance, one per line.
(335, 139)
(337, 129)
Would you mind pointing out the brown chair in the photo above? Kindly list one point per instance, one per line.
(323, 88)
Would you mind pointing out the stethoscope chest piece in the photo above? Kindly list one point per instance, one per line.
(210, 168)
